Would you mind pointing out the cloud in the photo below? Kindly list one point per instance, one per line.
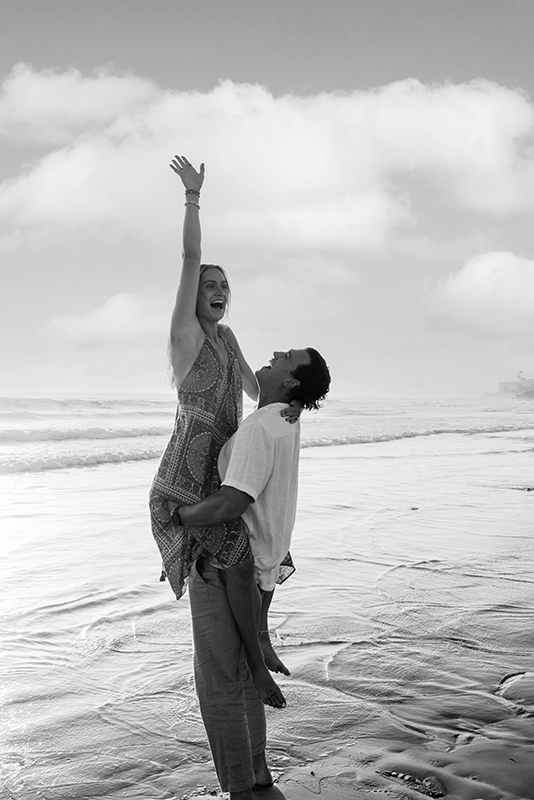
(473, 140)
(326, 171)
(53, 106)
(123, 319)
(491, 295)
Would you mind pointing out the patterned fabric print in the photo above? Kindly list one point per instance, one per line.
(209, 411)
(287, 568)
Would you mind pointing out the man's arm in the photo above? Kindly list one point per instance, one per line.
(250, 466)
(223, 506)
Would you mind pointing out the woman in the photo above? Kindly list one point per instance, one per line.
(210, 373)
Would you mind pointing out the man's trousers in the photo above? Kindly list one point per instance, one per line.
(233, 714)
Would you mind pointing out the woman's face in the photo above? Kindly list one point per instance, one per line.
(212, 297)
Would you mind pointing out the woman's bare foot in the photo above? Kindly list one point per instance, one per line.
(271, 659)
(269, 691)
(262, 774)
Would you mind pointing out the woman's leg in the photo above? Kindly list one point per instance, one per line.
(245, 602)
(271, 659)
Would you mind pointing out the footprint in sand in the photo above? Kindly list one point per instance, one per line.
(430, 786)
(518, 690)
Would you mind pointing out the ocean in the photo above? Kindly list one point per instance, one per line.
(408, 626)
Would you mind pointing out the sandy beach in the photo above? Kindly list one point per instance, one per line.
(407, 626)
(363, 771)
(458, 733)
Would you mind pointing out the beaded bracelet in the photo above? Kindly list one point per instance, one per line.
(192, 191)
(191, 203)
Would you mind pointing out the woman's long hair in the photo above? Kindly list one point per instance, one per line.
(203, 268)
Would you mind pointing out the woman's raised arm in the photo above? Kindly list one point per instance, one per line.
(184, 325)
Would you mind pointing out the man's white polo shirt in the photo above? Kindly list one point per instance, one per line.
(262, 460)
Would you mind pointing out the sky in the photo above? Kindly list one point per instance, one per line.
(369, 187)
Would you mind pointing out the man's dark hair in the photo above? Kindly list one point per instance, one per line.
(314, 379)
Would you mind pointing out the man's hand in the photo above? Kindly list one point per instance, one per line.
(191, 179)
(172, 506)
(225, 505)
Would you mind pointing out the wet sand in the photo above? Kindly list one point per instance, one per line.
(430, 693)
(373, 769)
(407, 629)
(472, 767)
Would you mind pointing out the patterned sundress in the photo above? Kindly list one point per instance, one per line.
(209, 410)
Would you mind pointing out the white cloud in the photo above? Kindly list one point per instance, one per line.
(53, 105)
(335, 213)
(125, 318)
(473, 139)
(358, 221)
(323, 171)
(492, 294)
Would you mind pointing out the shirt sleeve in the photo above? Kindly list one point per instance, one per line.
(251, 460)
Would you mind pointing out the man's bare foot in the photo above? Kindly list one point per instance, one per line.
(269, 691)
(261, 772)
(271, 659)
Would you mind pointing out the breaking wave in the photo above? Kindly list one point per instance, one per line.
(391, 437)
(87, 451)
(65, 434)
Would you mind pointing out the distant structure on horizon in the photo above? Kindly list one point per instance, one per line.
(520, 387)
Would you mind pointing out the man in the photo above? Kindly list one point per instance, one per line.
(259, 475)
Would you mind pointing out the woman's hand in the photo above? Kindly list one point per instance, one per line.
(191, 179)
(292, 414)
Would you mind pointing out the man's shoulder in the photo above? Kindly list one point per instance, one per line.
(269, 419)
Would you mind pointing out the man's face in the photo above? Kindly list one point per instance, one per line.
(279, 372)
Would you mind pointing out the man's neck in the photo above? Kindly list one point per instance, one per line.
(266, 398)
